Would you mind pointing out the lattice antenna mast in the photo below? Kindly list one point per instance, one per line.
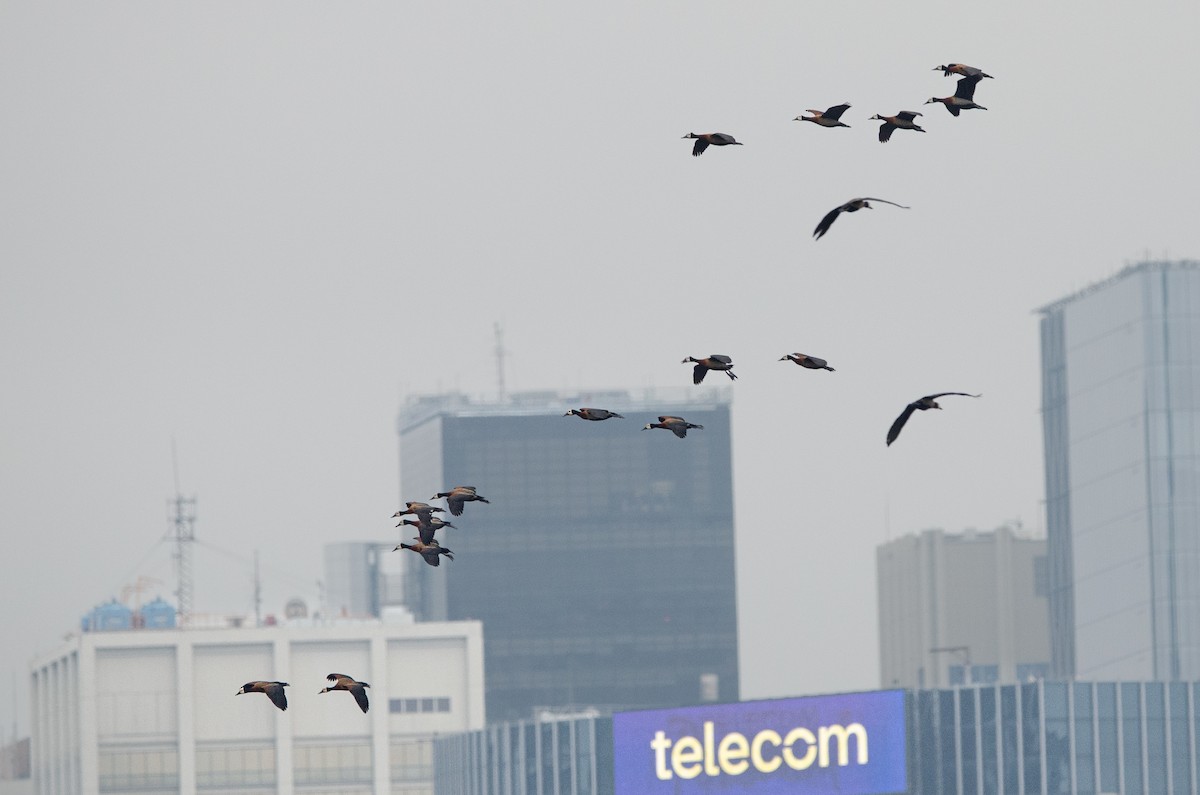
(500, 352)
(183, 533)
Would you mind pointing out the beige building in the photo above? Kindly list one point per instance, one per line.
(965, 608)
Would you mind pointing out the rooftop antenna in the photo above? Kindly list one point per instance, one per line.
(183, 532)
(500, 353)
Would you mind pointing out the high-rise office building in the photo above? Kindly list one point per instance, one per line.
(603, 568)
(1121, 419)
(962, 608)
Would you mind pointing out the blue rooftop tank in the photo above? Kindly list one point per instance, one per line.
(112, 616)
(158, 614)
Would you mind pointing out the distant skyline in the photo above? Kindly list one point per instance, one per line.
(258, 229)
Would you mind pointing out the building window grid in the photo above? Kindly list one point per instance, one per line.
(1018, 691)
(1042, 755)
(1191, 722)
(958, 766)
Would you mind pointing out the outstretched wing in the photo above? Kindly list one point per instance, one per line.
(832, 215)
(965, 88)
(885, 201)
(360, 695)
(885, 133)
(431, 558)
(943, 394)
(720, 357)
(835, 112)
(898, 425)
(908, 115)
(275, 692)
(679, 429)
(699, 147)
(698, 373)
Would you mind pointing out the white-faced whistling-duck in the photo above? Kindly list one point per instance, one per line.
(676, 425)
(422, 510)
(274, 691)
(426, 529)
(921, 404)
(901, 121)
(705, 140)
(960, 69)
(852, 206)
(343, 682)
(457, 496)
(430, 551)
(826, 118)
(963, 99)
(715, 362)
(808, 362)
(594, 415)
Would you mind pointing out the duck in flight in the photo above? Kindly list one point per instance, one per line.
(676, 425)
(807, 362)
(963, 99)
(705, 140)
(595, 415)
(422, 510)
(425, 530)
(457, 496)
(827, 118)
(715, 362)
(343, 682)
(273, 690)
(921, 404)
(429, 551)
(901, 121)
(852, 206)
(960, 69)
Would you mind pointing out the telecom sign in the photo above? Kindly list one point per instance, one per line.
(851, 744)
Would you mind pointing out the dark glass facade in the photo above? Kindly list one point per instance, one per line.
(603, 568)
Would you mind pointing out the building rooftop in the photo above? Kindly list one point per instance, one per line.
(419, 408)
(1150, 266)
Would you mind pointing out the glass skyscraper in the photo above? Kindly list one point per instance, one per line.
(603, 568)
(1121, 419)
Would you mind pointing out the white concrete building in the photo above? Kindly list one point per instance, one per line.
(962, 608)
(154, 711)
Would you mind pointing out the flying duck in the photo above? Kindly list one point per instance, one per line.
(704, 140)
(422, 510)
(426, 529)
(430, 551)
(901, 121)
(806, 361)
(827, 118)
(274, 691)
(457, 496)
(960, 69)
(921, 404)
(595, 415)
(715, 362)
(676, 425)
(343, 682)
(963, 99)
(852, 206)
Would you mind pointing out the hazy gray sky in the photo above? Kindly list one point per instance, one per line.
(256, 228)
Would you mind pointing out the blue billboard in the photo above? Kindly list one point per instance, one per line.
(851, 744)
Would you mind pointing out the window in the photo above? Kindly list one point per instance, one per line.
(235, 766)
(411, 759)
(138, 770)
(348, 763)
(415, 705)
